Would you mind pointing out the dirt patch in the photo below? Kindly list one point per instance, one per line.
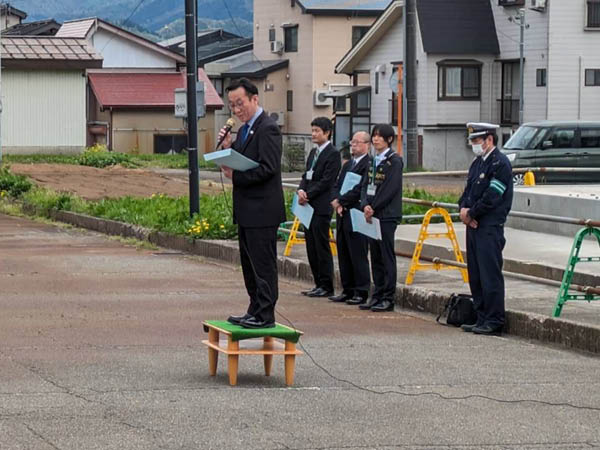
(91, 183)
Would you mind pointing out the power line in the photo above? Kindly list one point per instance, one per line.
(140, 3)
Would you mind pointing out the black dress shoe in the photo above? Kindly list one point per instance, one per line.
(468, 327)
(309, 291)
(487, 330)
(384, 305)
(253, 322)
(369, 305)
(320, 292)
(356, 300)
(237, 319)
(340, 298)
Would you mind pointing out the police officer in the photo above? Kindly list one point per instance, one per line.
(484, 205)
(352, 247)
(382, 198)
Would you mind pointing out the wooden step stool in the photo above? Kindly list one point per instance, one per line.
(243, 341)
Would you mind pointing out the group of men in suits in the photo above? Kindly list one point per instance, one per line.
(378, 194)
(258, 209)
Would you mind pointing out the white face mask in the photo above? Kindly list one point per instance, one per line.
(477, 149)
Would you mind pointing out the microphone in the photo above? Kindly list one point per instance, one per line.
(228, 126)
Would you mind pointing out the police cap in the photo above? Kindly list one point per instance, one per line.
(481, 129)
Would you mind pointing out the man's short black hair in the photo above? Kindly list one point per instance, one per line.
(245, 83)
(385, 131)
(323, 123)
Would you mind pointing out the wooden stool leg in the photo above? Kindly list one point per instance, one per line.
(213, 355)
(290, 361)
(268, 358)
(232, 361)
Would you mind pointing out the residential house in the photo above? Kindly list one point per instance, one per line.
(44, 93)
(137, 110)
(469, 70)
(131, 107)
(9, 16)
(311, 35)
(46, 27)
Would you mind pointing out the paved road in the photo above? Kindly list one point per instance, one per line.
(100, 349)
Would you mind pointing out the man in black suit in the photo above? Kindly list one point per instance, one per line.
(353, 248)
(258, 205)
(322, 168)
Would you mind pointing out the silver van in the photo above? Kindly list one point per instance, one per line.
(556, 144)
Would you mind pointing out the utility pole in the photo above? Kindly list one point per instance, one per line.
(520, 20)
(1, 3)
(192, 110)
(410, 82)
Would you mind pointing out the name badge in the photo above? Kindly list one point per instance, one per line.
(371, 189)
(309, 175)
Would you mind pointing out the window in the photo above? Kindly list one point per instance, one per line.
(290, 37)
(340, 104)
(377, 82)
(290, 100)
(358, 33)
(271, 34)
(218, 85)
(459, 82)
(540, 77)
(562, 138)
(394, 108)
(592, 77)
(593, 14)
(511, 2)
(590, 137)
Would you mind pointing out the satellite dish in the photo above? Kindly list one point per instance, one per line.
(394, 80)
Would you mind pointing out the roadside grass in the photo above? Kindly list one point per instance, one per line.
(158, 212)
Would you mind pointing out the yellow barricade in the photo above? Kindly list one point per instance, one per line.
(293, 239)
(423, 235)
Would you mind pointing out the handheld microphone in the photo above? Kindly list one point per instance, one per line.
(228, 126)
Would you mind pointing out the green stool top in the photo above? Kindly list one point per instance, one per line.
(238, 332)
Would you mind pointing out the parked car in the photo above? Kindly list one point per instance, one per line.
(556, 144)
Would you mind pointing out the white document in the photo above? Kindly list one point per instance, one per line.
(232, 159)
(360, 224)
(350, 181)
(304, 213)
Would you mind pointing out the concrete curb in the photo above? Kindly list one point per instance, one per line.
(545, 329)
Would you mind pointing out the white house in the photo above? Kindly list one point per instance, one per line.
(468, 68)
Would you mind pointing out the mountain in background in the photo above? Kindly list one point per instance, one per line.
(155, 19)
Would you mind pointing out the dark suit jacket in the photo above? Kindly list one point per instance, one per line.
(387, 201)
(324, 176)
(351, 199)
(257, 193)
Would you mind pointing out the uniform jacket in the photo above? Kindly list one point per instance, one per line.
(324, 177)
(489, 189)
(387, 177)
(257, 193)
(351, 199)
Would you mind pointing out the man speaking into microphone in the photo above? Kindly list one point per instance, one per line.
(258, 205)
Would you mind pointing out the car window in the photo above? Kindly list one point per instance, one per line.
(522, 138)
(562, 138)
(590, 137)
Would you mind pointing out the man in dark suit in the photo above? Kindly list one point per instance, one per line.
(353, 248)
(258, 205)
(322, 168)
(382, 198)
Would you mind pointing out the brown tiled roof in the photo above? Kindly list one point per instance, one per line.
(48, 52)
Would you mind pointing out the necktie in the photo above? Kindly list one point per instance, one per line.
(245, 130)
(353, 165)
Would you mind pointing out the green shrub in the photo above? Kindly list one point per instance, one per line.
(98, 156)
(12, 184)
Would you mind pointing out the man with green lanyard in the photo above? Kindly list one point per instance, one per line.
(322, 168)
(382, 198)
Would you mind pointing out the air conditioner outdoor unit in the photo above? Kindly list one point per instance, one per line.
(276, 46)
(319, 98)
(279, 117)
(538, 5)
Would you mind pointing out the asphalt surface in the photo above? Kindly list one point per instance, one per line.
(100, 349)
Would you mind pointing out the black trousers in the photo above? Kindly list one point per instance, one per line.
(258, 252)
(484, 264)
(319, 251)
(353, 257)
(383, 263)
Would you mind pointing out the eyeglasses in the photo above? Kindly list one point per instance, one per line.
(238, 104)
(359, 142)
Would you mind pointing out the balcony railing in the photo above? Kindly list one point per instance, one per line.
(511, 2)
(509, 111)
